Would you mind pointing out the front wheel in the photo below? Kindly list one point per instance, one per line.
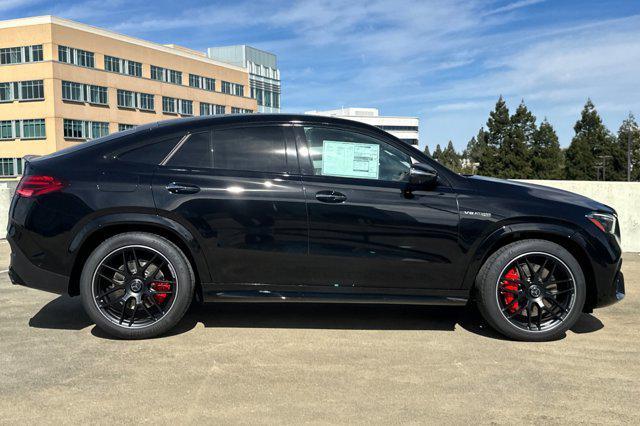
(136, 285)
(531, 290)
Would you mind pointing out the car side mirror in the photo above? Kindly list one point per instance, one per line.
(422, 174)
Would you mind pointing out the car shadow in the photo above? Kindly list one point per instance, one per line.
(67, 313)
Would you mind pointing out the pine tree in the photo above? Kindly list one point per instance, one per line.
(630, 126)
(589, 147)
(498, 127)
(514, 151)
(426, 150)
(473, 153)
(450, 158)
(546, 155)
(437, 154)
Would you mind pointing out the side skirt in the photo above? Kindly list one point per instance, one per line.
(301, 294)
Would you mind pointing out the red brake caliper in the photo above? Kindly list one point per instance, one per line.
(160, 286)
(510, 285)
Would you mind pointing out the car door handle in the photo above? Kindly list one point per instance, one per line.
(182, 188)
(331, 197)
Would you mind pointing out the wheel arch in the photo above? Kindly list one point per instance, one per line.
(96, 231)
(556, 233)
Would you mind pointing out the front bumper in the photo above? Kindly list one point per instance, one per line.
(613, 293)
(23, 272)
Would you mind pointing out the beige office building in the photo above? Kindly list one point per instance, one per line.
(63, 82)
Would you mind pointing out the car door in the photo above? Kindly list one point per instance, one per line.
(238, 189)
(365, 228)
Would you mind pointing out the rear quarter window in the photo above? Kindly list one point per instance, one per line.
(150, 153)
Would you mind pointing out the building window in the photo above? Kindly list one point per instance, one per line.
(211, 109)
(177, 106)
(79, 129)
(126, 99)
(78, 92)
(33, 129)
(146, 102)
(31, 90)
(129, 99)
(186, 107)
(166, 75)
(74, 56)
(21, 55)
(204, 83)
(123, 127)
(98, 95)
(11, 166)
(236, 110)
(169, 105)
(6, 129)
(232, 88)
(22, 129)
(122, 66)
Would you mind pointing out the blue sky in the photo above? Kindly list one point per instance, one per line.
(445, 61)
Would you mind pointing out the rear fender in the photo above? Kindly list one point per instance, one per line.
(145, 221)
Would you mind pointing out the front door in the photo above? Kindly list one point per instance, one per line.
(239, 191)
(364, 229)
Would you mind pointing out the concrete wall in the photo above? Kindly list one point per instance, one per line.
(622, 196)
(6, 192)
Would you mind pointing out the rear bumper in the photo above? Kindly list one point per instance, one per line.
(23, 272)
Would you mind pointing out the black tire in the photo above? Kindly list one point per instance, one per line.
(182, 287)
(496, 311)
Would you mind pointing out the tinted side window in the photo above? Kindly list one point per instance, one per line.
(342, 153)
(260, 149)
(195, 152)
(152, 153)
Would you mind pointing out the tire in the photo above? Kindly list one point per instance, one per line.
(149, 313)
(564, 283)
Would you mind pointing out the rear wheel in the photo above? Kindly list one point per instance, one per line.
(531, 290)
(136, 285)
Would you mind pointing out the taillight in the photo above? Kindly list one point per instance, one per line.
(34, 185)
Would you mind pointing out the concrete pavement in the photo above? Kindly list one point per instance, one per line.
(242, 363)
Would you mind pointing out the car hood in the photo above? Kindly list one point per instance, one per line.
(511, 188)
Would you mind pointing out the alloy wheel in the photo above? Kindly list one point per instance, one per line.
(134, 286)
(536, 292)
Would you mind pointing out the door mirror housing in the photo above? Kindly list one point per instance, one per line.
(422, 174)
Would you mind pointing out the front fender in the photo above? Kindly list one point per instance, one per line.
(510, 232)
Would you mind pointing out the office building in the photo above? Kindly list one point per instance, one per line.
(63, 82)
(404, 128)
(264, 75)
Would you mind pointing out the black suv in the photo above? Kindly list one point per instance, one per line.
(301, 208)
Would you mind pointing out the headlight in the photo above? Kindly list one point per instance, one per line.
(604, 221)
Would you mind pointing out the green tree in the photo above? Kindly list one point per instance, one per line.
(514, 150)
(473, 153)
(546, 155)
(450, 158)
(590, 148)
(630, 127)
(426, 150)
(498, 129)
(437, 154)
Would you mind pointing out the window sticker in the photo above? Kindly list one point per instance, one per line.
(350, 159)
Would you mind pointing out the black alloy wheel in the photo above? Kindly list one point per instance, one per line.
(531, 290)
(135, 286)
(536, 291)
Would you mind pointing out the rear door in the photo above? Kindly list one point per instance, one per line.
(238, 189)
